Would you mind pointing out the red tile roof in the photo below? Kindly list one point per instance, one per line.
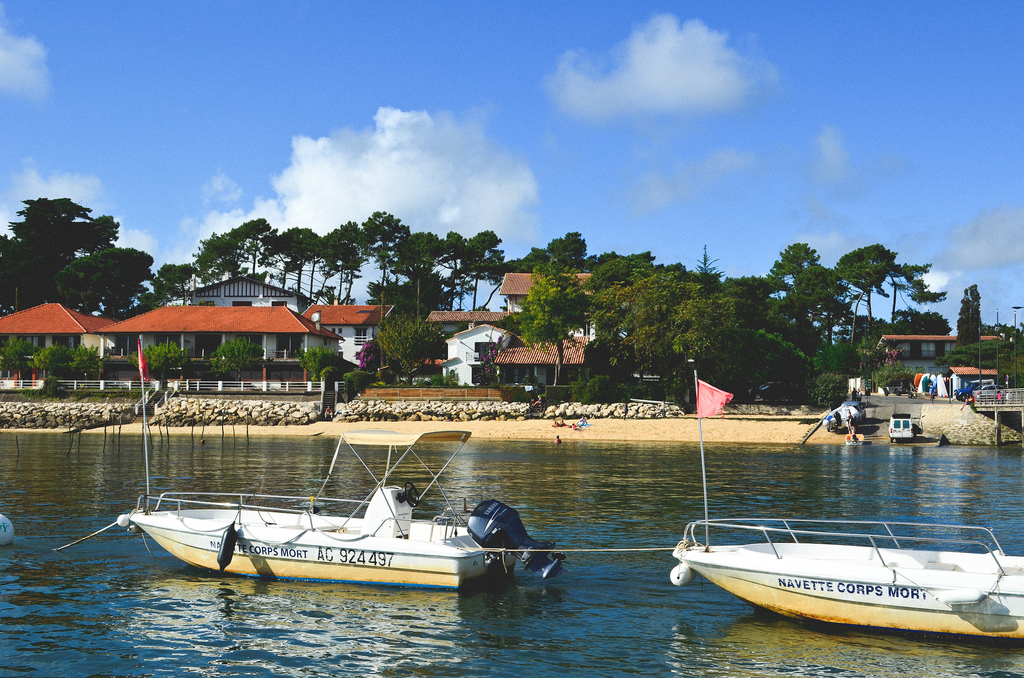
(230, 319)
(519, 284)
(518, 353)
(51, 319)
(972, 371)
(347, 315)
(466, 316)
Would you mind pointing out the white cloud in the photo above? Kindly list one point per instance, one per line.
(654, 190)
(993, 239)
(832, 166)
(221, 188)
(661, 68)
(23, 71)
(434, 173)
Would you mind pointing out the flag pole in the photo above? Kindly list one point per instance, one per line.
(145, 430)
(703, 471)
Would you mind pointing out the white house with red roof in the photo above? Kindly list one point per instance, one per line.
(520, 363)
(48, 325)
(53, 324)
(354, 325)
(466, 350)
(242, 290)
(919, 351)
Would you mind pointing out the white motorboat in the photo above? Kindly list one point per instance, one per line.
(373, 540)
(941, 579)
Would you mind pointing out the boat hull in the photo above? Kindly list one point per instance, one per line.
(855, 591)
(300, 552)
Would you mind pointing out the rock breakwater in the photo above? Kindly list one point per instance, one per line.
(482, 410)
(185, 412)
(62, 415)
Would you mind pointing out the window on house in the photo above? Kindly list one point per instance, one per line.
(241, 303)
(927, 349)
(360, 336)
(37, 341)
(279, 303)
(251, 338)
(68, 340)
(161, 339)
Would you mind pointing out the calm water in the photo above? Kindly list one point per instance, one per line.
(110, 607)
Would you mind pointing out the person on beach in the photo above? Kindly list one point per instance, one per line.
(558, 423)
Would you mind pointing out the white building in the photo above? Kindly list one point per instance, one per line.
(244, 291)
(356, 325)
(465, 351)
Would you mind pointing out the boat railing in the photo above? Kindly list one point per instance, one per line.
(885, 532)
(232, 500)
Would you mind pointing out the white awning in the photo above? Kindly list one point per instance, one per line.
(383, 438)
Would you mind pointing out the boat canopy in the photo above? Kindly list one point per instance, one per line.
(392, 438)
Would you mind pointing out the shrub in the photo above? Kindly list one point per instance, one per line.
(556, 395)
(828, 389)
(356, 381)
(514, 394)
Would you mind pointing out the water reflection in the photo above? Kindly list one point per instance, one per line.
(110, 607)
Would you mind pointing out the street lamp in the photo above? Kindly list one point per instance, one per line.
(997, 348)
(1015, 309)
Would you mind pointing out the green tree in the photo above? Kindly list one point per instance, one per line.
(294, 251)
(109, 281)
(236, 356)
(220, 255)
(16, 356)
(555, 308)
(318, 362)
(52, 234)
(968, 323)
(485, 263)
(54, 360)
(164, 358)
(343, 258)
(908, 279)
(172, 284)
(382, 238)
(866, 269)
(568, 252)
(409, 343)
(85, 362)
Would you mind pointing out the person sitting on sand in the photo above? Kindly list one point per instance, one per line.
(558, 423)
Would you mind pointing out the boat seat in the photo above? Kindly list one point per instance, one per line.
(947, 567)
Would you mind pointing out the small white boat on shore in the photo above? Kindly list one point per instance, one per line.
(374, 539)
(907, 577)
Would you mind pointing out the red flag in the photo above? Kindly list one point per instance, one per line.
(143, 371)
(710, 400)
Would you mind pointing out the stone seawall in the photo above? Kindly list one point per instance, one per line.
(436, 410)
(216, 411)
(963, 426)
(63, 415)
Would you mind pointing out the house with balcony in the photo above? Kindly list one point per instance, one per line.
(199, 330)
(515, 287)
(245, 291)
(354, 325)
(918, 352)
(467, 348)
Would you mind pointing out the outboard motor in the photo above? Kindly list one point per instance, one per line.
(494, 525)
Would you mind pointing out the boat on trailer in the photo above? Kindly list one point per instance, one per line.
(896, 576)
(373, 539)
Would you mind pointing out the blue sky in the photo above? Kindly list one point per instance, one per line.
(666, 127)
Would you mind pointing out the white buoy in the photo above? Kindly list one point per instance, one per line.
(124, 520)
(6, 531)
(682, 574)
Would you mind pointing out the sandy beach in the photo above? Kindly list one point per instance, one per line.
(731, 428)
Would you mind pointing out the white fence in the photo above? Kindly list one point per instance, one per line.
(191, 386)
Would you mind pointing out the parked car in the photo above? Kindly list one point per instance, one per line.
(967, 391)
(899, 387)
(773, 392)
(901, 428)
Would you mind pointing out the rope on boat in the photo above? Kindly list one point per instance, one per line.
(559, 550)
